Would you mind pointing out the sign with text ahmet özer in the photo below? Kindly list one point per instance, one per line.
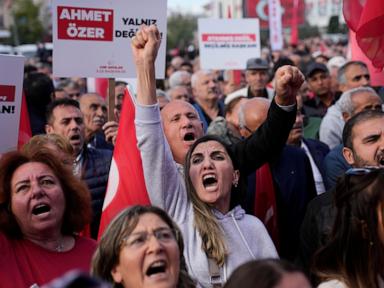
(92, 37)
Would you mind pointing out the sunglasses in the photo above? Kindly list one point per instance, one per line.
(363, 170)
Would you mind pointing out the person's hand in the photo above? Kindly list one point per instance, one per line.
(145, 45)
(110, 131)
(288, 80)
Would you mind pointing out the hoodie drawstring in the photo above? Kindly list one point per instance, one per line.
(242, 236)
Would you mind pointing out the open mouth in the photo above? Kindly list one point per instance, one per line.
(156, 268)
(189, 137)
(41, 209)
(75, 138)
(209, 181)
(380, 160)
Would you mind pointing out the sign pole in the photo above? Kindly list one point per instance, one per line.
(111, 99)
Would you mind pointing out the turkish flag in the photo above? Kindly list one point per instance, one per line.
(25, 132)
(265, 207)
(126, 186)
(366, 19)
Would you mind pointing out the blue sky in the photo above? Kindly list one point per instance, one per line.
(192, 6)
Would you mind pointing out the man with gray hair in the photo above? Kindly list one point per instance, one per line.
(205, 90)
(350, 103)
(181, 79)
(256, 76)
(179, 93)
(351, 75)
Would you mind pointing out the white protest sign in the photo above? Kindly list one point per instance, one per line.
(11, 89)
(92, 38)
(228, 43)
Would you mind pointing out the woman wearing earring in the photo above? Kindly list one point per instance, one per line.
(354, 256)
(220, 236)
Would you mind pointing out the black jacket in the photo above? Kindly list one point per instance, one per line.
(95, 173)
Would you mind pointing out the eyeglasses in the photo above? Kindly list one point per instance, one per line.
(139, 239)
(362, 171)
(244, 127)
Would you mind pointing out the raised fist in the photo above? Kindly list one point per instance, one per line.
(288, 80)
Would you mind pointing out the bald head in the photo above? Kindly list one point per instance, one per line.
(182, 126)
(252, 114)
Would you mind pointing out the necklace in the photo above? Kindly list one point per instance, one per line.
(60, 246)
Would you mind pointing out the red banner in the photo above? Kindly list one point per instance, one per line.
(7, 93)
(259, 9)
(216, 37)
(366, 19)
(75, 23)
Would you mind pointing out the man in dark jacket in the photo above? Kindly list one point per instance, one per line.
(363, 141)
(92, 165)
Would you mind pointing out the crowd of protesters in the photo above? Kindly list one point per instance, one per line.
(267, 177)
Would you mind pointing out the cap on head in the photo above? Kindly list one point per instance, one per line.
(315, 67)
(257, 64)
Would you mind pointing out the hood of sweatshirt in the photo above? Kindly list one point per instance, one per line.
(237, 212)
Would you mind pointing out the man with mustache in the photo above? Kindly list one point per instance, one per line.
(92, 165)
(98, 132)
(205, 90)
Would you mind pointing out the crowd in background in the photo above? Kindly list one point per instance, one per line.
(267, 177)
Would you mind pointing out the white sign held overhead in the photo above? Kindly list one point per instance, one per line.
(92, 38)
(227, 44)
(11, 87)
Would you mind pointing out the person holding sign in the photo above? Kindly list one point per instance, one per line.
(167, 188)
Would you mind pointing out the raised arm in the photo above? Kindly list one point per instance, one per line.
(165, 186)
(267, 141)
(144, 48)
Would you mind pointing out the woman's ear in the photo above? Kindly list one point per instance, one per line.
(236, 177)
(116, 275)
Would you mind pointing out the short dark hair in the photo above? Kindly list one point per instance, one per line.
(77, 212)
(355, 120)
(107, 254)
(267, 273)
(60, 102)
(39, 89)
